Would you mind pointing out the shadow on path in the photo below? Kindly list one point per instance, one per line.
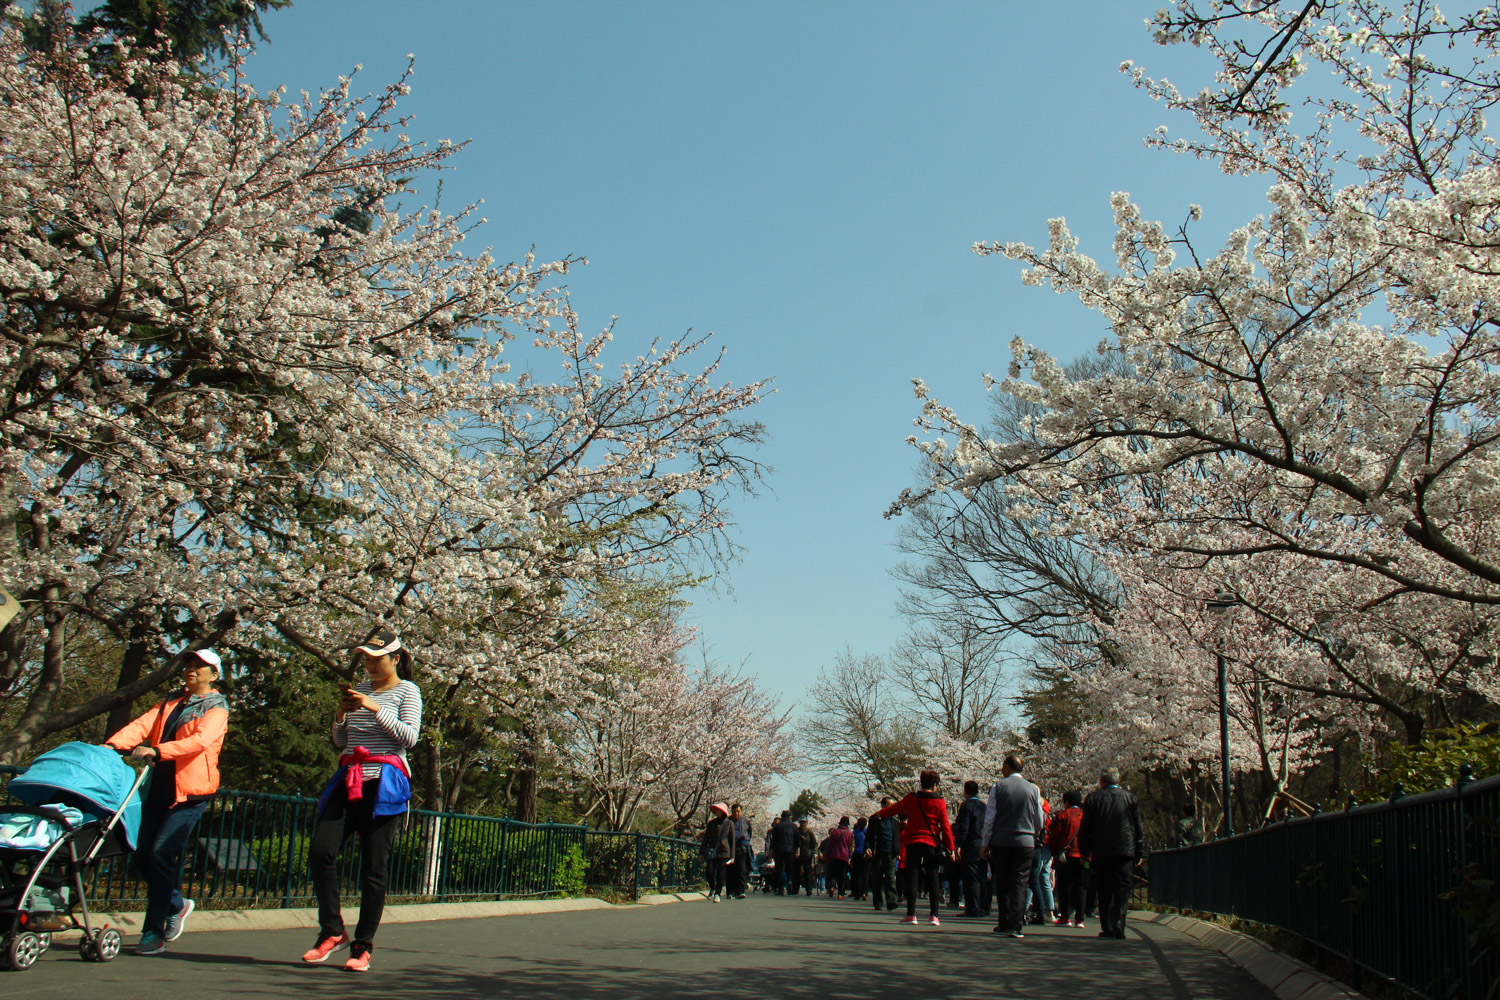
(751, 949)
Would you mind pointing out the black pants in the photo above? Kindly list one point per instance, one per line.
(715, 868)
(1012, 869)
(976, 882)
(786, 873)
(837, 874)
(340, 820)
(859, 867)
(883, 880)
(1070, 888)
(924, 870)
(737, 873)
(1112, 876)
(806, 875)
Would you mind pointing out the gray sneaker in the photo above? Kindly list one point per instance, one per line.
(176, 920)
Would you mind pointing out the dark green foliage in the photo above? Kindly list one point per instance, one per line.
(1435, 762)
(280, 709)
(191, 28)
(807, 803)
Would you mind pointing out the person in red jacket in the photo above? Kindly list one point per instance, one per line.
(1062, 841)
(926, 840)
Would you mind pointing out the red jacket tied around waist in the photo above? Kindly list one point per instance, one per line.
(354, 773)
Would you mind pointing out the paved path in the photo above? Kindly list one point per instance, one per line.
(762, 947)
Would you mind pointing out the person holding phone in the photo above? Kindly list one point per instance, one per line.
(182, 737)
(377, 721)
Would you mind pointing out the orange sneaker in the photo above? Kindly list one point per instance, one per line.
(359, 961)
(325, 947)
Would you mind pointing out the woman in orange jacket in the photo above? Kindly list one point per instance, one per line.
(182, 736)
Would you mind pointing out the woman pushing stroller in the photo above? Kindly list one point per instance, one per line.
(182, 737)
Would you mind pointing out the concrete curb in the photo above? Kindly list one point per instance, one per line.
(401, 913)
(1283, 975)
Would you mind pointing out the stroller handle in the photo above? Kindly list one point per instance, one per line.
(135, 787)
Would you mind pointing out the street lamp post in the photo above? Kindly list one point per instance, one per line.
(1221, 605)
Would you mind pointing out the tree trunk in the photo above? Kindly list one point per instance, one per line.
(527, 780)
(450, 800)
(432, 777)
(130, 672)
(30, 725)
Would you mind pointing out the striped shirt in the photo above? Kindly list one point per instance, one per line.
(390, 732)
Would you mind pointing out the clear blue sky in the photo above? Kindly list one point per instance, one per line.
(805, 179)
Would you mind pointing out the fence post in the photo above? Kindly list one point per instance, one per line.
(433, 857)
(550, 872)
(636, 879)
(291, 857)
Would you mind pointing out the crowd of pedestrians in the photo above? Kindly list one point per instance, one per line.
(1008, 852)
(1002, 853)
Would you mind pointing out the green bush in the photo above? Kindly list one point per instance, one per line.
(1435, 762)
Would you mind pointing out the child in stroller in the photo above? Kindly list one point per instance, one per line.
(75, 805)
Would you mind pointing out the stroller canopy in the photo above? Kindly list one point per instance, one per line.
(93, 777)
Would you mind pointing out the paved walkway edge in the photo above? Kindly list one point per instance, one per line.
(400, 913)
(1283, 975)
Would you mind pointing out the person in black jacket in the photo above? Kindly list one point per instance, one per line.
(883, 847)
(784, 851)
(968, 831)
(718, 849)
(1112, 836)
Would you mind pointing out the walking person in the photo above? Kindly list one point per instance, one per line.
(737, 878)
(968, 832)
(927, 840)
(1111, 835)
(859, 864)
(1067, 858)
(882, 846)
(840, 849)
(807, 857)
(718, 848)
(784, 851)
(377, 721)
(1040, 893)
(1012, 827)
(182, 736)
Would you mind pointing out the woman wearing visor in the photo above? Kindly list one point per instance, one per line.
(182, 736)
(377, 721)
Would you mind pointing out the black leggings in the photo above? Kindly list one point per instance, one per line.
(923, 861)
(716, 868)
(340, 820)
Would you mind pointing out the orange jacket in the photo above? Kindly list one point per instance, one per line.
(195, 747)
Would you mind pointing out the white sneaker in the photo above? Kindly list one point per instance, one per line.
(713, 897)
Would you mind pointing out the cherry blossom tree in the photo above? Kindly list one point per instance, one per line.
(226, 410)
(1304, 416)
(650, 736)
(1267, 353)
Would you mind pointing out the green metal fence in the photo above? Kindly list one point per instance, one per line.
(250, 851)
(1405, 889)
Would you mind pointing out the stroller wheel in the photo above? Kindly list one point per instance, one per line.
(46, 938)
(25, 949)
(106, 945)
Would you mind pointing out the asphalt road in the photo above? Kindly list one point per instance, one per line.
(762, 947)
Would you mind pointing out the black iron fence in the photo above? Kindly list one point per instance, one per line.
(250, 850)
(1405, 890)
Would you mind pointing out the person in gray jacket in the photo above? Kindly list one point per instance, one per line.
(1013, 826)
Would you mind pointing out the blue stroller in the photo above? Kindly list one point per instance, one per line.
(74, 805)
